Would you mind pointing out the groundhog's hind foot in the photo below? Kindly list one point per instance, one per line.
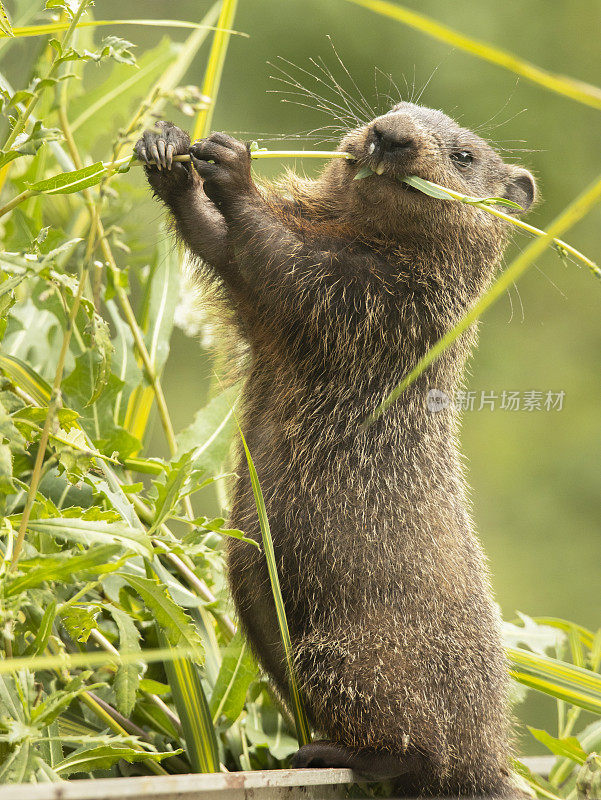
(368, 762)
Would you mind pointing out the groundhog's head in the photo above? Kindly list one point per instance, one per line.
(412, 140)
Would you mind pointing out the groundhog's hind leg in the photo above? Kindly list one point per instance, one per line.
(366, 761)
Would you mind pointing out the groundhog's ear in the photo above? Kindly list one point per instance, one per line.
(521, 187)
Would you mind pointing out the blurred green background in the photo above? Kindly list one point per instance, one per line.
(535, 475)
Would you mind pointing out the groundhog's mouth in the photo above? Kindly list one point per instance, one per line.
(380, 172)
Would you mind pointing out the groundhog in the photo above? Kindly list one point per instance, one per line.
(340, 286)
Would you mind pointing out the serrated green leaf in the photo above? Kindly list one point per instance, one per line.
(168, 490)
(102, 345)
(17, 766)
(117, 49)
(127, 678)
(89, 531)
(117, 93)
(88, 759)
(48, 710)
(80, 621)
(177, 626)
(62, 567)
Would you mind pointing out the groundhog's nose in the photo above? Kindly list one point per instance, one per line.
(394, 136)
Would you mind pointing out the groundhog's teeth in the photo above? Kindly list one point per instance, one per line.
(380, 168)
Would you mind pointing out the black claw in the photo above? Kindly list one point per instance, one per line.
(169, 155)
(155, 154)
(161, 149)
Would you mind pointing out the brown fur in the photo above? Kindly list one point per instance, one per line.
(340, 286)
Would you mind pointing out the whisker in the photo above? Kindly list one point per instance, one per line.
(510, 305)
(343, 114)
(319, 80)
(320, 104)
(392, 84)
(369, 109)
(353, 106)
(485, 128)
(427, 83)
(313, 108)
(517, 291)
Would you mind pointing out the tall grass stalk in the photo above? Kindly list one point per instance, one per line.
(214, 70)
(303, 732)
(580, 91)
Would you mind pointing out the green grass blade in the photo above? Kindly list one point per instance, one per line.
(574, 212)
(193, 711)
(303, 732)
(488, 204)
(26, 378)
(576, 685)
(577, 90)
(212, 78)
(177, 71)
(98, 658)
(54, 27)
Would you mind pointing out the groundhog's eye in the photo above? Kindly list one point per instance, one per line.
(462, 157)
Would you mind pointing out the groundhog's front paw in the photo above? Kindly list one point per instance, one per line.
(157, 149)
(224, 165)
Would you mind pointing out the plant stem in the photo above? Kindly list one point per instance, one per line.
(55, 396)
(569, 217)
(513, 220)
(127, 724)
(20, 198)
(112, 723)
(185, 568)
(134, 161)
(214, 70)
(121, 295)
